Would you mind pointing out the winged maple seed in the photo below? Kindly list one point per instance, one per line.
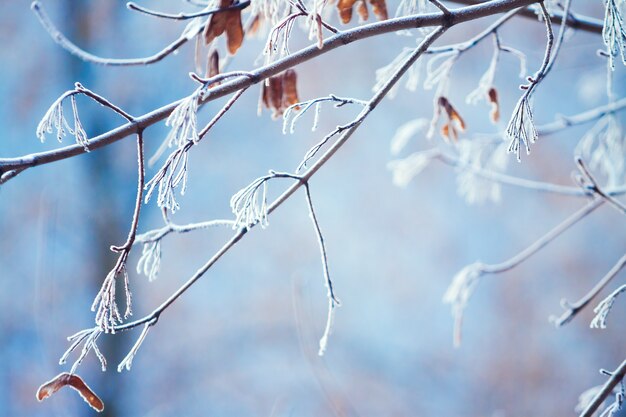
(228, 21)
(492, 96)
(455, 122)
(344, 7)
(74, 381)
(280, 92)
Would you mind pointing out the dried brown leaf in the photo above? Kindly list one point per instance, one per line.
(255, 25)
(290, 88)
(361, 9)
(227, 21)
(345, 10)
(74, 381)
(234, 30)
(379, 7)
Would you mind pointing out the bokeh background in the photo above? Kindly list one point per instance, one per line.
(243, 340)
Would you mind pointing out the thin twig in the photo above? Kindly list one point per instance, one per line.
(72, 48)
(221, 113)
(185, 16)
(572, 309)
(332, 299)
(590, 183)
(544, 240)
(575, 21)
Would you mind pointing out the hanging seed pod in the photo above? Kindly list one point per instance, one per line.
(345, 10)
(74, 381)
(379, 7)
(227, 21)
(492, 97)
(290, 89)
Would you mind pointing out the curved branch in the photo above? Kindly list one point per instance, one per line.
(9, 167)
(182, 16)
(576, 21)
(73, 49)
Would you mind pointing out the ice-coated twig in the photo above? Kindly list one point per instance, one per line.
(301, 108)
(127, 362)
(237, 5)
(614, 32)
(72, 48)
(88, 338)
(603, 309)
(105, 303)
(54, 120)
(588, 182)
(184, 135)
(150, 259)
(521, 127)
(463, 285)
(333, 301)
(616, 377)
(572, 309)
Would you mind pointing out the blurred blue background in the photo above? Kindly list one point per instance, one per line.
(243, 340)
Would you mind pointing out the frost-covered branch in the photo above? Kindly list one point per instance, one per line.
(464, 283)
(572, 309)
(10, 167)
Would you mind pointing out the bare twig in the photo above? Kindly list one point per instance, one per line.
(69, 46)
(572, 309)
(464, 283)
(587, 181)
(184, 16)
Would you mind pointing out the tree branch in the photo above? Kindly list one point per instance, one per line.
(10, 167)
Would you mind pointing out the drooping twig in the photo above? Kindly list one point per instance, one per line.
(237, 5)
(521, 129)
(72, 48)
(105, 304)
(572, 309)
(333, 301)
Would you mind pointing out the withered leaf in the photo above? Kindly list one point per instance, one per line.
(74, 381)
(255, 25)
(379, 7)
(361, 9)
(345, 10)
(275, 94)
(228, 21)
(290, 89)
(492, 96)
(280, 91)
(213, 66)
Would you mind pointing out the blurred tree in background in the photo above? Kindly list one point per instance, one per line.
(218, 316)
